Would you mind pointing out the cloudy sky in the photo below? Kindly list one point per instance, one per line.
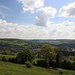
(37, 19)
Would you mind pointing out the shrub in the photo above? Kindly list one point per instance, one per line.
(66, 64)
(4, 59)
(28, 64)
(13, 60)
(61, 72)
(42, 63)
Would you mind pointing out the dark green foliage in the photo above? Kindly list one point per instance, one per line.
(25, 55)
(41, 63)
(7, 53)
(72, 58)
(13, 60)
(61, 72)
(48, 53)
(28, 64)
(54, 58)
(52, 64)
(66, 64)
(4, 59)
(59, 59)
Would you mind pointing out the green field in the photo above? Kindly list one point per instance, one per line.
(8, 56)
(7, 68)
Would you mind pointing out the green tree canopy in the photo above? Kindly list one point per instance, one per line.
(25, 55)
(48, 52)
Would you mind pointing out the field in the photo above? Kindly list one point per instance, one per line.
(7, 56)
(7, 68)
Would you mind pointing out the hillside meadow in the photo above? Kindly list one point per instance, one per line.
(7, 68)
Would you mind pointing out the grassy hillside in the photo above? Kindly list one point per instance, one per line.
(7, 68)
(7, 56)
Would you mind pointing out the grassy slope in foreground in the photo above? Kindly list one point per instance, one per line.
(7, 68)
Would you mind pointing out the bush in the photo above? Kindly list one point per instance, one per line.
(66, 64)
(42, 63)
(61, 72)
(52, 64)
(4, 59)
(28, 64)
(13, 60)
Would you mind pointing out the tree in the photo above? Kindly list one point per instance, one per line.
(48, 53)
(59, 59)
(25, 55)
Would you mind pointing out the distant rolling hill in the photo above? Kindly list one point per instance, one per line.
(17, 44)
(59, 42)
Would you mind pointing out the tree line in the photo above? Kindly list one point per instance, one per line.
(48, 56)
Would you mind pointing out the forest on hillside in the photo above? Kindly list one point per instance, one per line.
(44, 53)
(66, 46)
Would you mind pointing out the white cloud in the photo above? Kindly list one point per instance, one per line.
(67, 11)
(10, 30)
(44, 14)
(66, 23)
(30, 5)
(64, 30)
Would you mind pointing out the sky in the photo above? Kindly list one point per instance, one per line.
(37, 19)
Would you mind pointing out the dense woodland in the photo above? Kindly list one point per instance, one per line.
(44, 53)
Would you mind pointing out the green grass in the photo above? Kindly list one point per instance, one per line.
(14, 42)
(7, 68)
(7, 56)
